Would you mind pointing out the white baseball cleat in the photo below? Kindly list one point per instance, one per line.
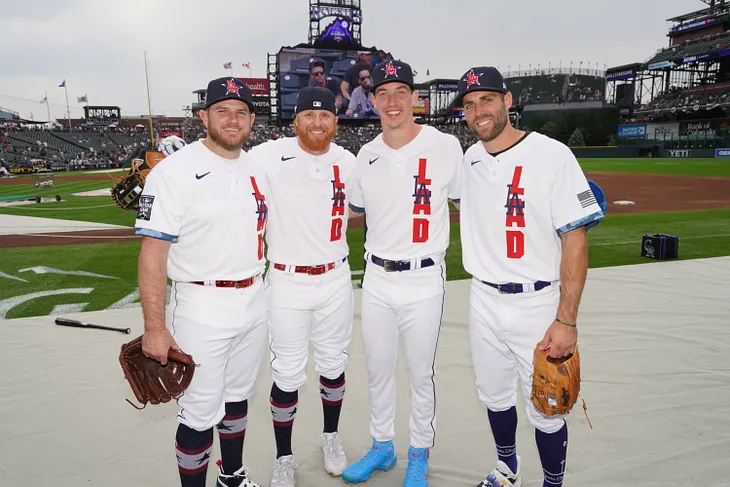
(335, 461)
(502, 476)
(283, 475)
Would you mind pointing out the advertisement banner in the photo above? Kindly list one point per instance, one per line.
(660, 65)
(167, 133)
(623, 74)
(258, 86)
(679, 152)
(421, 107)
(703, 128)
(632, 131)
(262, 105)
(722, 153)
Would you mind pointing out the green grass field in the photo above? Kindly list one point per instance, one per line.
(99, 209)
(688, 167)
(616, 241)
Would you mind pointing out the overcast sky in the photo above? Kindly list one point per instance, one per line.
(98, 46)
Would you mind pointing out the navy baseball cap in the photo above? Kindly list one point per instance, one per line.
(482, 78)
(228, 89)
(393, 71)
(316, 98)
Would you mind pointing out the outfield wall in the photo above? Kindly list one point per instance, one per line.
(607, 152)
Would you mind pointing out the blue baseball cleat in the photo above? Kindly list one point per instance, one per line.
(417, 468)
(380, 457)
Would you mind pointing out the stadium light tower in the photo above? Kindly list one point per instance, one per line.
(715, 3)
(347, 22)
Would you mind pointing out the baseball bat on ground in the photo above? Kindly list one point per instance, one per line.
(82, 324)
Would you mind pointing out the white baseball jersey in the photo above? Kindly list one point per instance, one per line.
(516, 204)
(308, 202)
(213, 210)
(405, 194)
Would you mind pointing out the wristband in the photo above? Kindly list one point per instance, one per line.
(564, 323)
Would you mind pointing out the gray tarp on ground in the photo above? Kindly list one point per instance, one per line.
(656, 376)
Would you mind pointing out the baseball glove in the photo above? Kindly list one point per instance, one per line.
(151, 381)
(128, 188)
(555, 382)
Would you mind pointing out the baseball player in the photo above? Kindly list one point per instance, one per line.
(524, 211)
(203, 214)
(403, 180)
(308, 287)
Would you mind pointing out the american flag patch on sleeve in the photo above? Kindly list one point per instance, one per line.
(586, 198)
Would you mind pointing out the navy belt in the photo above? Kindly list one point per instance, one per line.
(398, 265)
(515, 288)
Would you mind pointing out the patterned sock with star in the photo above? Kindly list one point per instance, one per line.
(553, 450)
(504, 430)
(193, 449)
(283, 411)
(231, 433)
(332, 392)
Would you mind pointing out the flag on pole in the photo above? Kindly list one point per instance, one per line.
(227, 66)
(246, 65)
(82, 99)
(63, 84)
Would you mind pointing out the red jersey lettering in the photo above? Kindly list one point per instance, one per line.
(338, 205)
(261, 211)
(515, 216)
(421, 203)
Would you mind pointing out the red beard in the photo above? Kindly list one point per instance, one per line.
(315, 143)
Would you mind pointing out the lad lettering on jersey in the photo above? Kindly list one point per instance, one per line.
(261, 211)
(307, 202)
(338, 205)
(539, 171)
(421, 203)
(515, 216)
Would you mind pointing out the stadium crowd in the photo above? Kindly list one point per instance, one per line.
(33, 147)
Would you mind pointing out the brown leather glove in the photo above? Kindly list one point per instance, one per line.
(555, 382)
(151, 381)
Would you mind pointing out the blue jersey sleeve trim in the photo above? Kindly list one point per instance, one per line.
(148, 232)
(357, 209)
(580, 223)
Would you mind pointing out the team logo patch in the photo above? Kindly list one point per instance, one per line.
(391, 70)
(472, 78)
(232, 87)
(145, 207)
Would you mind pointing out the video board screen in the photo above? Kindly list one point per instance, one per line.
(348, 74)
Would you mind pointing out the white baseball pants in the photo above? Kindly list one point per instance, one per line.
(309, 308)
(503, 332)
(224, 329)
(407, 305)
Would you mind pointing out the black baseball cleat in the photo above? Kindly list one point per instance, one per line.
(238, 479)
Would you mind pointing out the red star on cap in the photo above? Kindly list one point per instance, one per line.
(472, 78)
(232, 87)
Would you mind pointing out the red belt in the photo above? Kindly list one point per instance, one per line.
(312, 270)
(237, 284)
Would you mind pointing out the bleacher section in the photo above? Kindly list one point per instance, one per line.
(124, 140)
(695, 48)
(21, 148)
(40, 138)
